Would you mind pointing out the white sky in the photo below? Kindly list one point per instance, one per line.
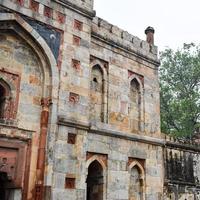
(175, 21)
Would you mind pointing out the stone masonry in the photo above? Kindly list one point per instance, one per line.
(79, 107)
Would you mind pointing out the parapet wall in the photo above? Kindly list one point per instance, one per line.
(120, 38)
(182, 169)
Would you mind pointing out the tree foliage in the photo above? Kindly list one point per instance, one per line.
(180, 90)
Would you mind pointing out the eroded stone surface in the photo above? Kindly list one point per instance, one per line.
(102, 83)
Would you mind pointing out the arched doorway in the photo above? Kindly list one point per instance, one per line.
(136, 184)
(2, 191)
(135, 189)
(3, 180)
(95, 181)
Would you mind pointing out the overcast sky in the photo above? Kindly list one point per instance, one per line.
(175, 21)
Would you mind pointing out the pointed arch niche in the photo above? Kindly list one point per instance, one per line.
(98, 90)
(5, 100)
(136, 103)
(96, 177)
(9, 95)
(14, 27)
(137, 180)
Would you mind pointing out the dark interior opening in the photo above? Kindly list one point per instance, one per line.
(2, 100)
(95, 181)
(95, 80)
(4, 193)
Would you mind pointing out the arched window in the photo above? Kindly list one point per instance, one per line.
(96, 94)
(95, 181)
(5, 100)
(135, 104)
(136, 185)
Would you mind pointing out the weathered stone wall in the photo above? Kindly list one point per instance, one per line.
(17, 58)
(67, 41)
(182, 178)
(71, 161)
(122, 69)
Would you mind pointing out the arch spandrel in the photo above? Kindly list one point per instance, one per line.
(95, 158)
(135, 77)
(138, 165)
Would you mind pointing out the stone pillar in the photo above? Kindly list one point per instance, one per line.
(150, 35)
(39, 189)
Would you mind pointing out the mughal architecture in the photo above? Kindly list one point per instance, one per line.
(80, 110)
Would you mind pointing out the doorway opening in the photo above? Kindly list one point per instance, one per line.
(4, 192)
(95, 181)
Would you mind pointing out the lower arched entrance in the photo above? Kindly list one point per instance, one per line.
(3, 179)
(136, 188)
(5, 191)
(95, 183)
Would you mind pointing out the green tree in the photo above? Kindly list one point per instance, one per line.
(180, 90)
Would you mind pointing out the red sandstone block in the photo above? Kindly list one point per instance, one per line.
(78, 25)
(60, 17)
(76, 64)
(73, 98)
(76, 40)
(34, 5)
(70, 183)
(20, 2)
(71, 138)
(48, 12)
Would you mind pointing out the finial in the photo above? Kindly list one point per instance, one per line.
(149, 31)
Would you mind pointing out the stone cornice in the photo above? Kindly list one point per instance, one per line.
(73, 123)
(111, 133)
(174, 182)
(180, 146)
(95, 129)
(74, 7)
(7, 137)
(11, 124)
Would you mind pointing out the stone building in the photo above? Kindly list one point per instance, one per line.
(79, 106)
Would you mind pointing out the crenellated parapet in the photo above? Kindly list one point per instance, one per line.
(84, 7)
(119, 38)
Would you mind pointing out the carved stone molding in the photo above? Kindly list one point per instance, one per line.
(46, 102)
